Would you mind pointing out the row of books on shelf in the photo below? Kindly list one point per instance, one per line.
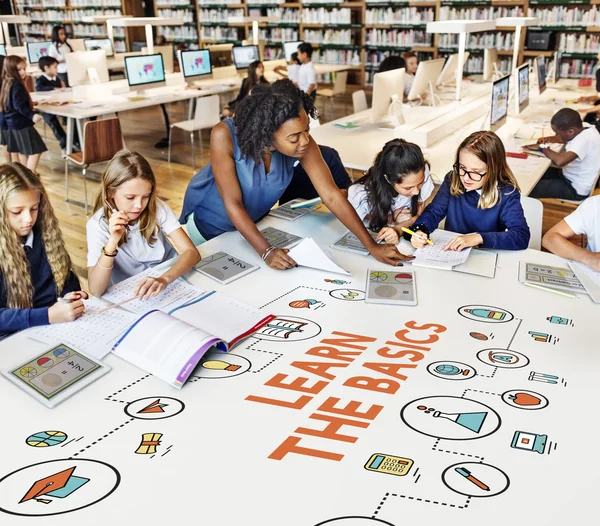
(579, 43)
(219, 2)
(219, 15)
(374, 57)
(185, 14)
(64, 16)
(277, 34)
(328, 36)
(219, 33)
(175, 3)
(63, 3)
(562, 15)
(578, 69)
(399, 15)
(179, 32)
(398, 38)
(479, 13)
(320, 15)
(500, 40)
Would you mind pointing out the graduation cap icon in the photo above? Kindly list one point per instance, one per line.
(59, 485)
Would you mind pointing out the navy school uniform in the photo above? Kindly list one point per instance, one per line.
(20, 134)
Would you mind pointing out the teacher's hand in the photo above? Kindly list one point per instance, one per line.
(389, 255)
(279, 259)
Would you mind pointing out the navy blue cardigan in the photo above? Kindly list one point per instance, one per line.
(502, 226)
(18, 114)
(44, 295)
(44, 84)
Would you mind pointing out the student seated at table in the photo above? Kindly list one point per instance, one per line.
(575, 170)
(49, 81)
(479, 198)
(392, 193)
(585, 220)
(291, 70)
(128, 232)
(396, 62)
(301, 187)
(252, 163)
(256, 71)
(412, 63)
(35, 268)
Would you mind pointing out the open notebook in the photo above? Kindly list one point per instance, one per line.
(171, 345)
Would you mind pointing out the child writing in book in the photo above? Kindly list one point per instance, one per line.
(19, 118)
(127, 233)
(585, 220)
(392, 193)
(35, 268)
(479, 198)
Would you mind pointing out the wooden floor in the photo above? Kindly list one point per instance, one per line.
(142, 129)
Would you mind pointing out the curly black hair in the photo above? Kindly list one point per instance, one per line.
(262, 113)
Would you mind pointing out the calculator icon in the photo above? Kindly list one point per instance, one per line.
(389, 464)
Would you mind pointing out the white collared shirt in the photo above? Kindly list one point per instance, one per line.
(29, 240)
(52, 79)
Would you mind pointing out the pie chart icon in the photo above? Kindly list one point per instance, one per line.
(45, 362)
(46, 439)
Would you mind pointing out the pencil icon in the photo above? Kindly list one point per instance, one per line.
(467, 474)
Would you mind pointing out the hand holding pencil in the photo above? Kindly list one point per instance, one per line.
(419, 239)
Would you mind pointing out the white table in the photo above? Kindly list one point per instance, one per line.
(223, 447)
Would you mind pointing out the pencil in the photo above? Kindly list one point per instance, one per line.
(117, 304)
(409, 231)
(566, 294)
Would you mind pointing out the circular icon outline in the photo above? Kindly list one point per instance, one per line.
(265, 337)
(361, 294)
(468, 494)
(542, 397)
(451, 378)
(485, 320)
(489, 351)
(225, 355)
(374, 519)
(28, 439)
(117, 483)
(151, 398)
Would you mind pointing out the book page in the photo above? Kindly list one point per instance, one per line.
(221, 316)
(165, 347)
(309, 254)
(176, 294)
(435, 256)
(92, 333)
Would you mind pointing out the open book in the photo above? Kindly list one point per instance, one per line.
(171, 345)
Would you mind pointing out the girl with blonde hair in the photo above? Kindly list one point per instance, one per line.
(35, 268)
(128, 232)
(479, 198)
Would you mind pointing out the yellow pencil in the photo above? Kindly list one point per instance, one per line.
(566, 294)
(409, 231)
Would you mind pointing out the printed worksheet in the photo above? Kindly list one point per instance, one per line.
(436, 257)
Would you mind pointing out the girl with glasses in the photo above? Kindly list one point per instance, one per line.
(391, 195)
(479, 198)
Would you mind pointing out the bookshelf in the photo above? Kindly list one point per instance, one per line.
(360, 33)
(45, 14)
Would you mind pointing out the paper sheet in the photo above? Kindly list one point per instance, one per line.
(93, 333)
(590, 272)
(176, 294)
(435, 256)
(309, 254)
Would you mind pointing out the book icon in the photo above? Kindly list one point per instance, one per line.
(282, 328)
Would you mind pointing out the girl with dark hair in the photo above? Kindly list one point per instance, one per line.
(392, 193)
(252, 163)
(59, 49)
(18, 116)
(255, 76)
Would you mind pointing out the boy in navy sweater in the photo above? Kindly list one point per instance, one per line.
(49, 81)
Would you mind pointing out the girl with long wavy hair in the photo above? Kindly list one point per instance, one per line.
(392, 193)
(35, 268)
(479, 198)
(18, 114)
(128, 232)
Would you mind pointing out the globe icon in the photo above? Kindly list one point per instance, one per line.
(447, 369)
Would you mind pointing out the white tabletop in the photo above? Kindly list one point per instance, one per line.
(224, 456)
(460, 26)
(146, 21)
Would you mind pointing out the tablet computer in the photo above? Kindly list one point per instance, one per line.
(394, 287)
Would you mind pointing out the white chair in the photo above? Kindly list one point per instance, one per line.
(534, 214)
(207, 115)
(339, 89)
(359, 101)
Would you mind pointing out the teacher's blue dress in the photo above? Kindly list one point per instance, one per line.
(260, 191)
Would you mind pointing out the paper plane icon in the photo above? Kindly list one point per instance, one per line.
(154, 407)
(59, 485)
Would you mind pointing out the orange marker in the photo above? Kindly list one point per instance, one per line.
(467, 474)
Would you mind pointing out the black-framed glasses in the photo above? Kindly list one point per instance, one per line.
(474, 176)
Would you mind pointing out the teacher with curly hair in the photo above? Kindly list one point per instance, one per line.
(252, 159)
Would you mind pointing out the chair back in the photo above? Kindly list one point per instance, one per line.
(534, 213)
(208, 112)
(102, 139)
(339, 84)
(359, 101)
(29, 84)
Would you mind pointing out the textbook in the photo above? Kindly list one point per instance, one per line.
(170, 345)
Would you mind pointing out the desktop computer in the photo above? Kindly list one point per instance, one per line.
(92, 44)
(541, 73)
(35, 50)
(499, 106)
(195, 64)
(425, 78)
(522, 81)
(388, 91)
(243, 56)
(144, 71)
(291, 47)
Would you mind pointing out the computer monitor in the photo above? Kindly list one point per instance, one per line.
(243, 56)
(145, 71)
(499, 107)
(448, 74)
(425, 77)
(490, 61)
(92, 44)
(388, 89)
(195, 64)
(80, 62)
(522, 79)
(291, 47)
(2, 49)
(541, 73)
(35, 50)
(556, 72)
